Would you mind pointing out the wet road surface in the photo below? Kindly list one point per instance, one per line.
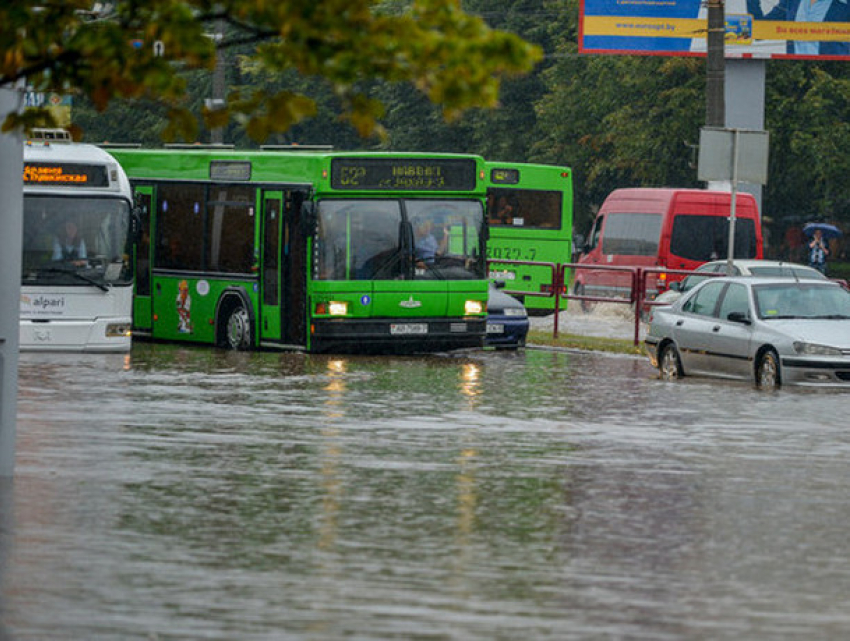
(198, 494)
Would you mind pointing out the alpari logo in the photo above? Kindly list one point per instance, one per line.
(43, 302)
(410, 303)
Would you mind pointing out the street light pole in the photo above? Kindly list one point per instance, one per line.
(715, 99)
(218, 83)
(11, 220)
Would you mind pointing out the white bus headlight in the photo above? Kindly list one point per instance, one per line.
(115, 330)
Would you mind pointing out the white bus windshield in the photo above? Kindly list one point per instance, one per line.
(76, 241)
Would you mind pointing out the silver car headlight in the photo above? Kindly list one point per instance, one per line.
(813, 349)
(514, 311)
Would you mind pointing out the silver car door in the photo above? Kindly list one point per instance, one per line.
(694, 327)
(729, 350)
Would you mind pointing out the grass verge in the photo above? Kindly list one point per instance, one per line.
(591, 343)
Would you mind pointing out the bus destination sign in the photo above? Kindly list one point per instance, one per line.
(403, 174)
(504, 176)
(65, 174)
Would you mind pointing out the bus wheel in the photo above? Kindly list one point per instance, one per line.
(238, 328)
(586, 305)
(767, 372)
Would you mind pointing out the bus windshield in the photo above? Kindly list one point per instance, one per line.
(399, 240)
(76, 241)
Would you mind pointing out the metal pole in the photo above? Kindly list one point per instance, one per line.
(218, 83)
(730, 256)
(558, 273)
(715, 97)
(11, 221)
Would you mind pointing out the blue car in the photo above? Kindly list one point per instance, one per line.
(507, 320)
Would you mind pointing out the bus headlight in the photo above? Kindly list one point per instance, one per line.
(331, 308)
(118, 330)
(338, 308)
(473, 307)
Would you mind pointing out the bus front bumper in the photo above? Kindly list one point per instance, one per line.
(101, 335)
(397, 335)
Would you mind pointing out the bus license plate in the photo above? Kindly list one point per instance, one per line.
(408, 328)
(495, 328)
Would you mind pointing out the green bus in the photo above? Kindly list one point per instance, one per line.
(309, 249)
(530, 216)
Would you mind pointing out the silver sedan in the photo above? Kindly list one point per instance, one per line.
(771, 330)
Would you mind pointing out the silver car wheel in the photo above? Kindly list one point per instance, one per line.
(767, 374)
(669, 364)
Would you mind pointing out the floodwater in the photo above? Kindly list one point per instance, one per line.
(611, 320)
(183, 493)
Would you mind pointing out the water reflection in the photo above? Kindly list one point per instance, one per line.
(192, 493)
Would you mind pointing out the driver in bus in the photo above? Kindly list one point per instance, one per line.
(70, 246)
(426, 247)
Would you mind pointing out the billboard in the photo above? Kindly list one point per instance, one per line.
(795, 29)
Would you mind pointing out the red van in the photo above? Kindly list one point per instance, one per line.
(668, 228)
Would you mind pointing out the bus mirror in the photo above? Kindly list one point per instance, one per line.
(136, 224)
(308, 217)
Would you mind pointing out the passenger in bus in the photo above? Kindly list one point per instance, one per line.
(70, 246)
(426, 248)
(173, 254)
(505, 212)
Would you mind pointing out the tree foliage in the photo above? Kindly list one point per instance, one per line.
(453, 58)
(618, 121)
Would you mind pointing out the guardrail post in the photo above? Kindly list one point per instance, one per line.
(639, 289)
(556, 290)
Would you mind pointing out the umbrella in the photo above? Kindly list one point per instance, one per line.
(829, 231)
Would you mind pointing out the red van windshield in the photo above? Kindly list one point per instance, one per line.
(632, 234)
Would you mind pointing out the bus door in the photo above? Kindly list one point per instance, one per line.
(296, 260)
(284, 265)
(142, 298)
(275, 237)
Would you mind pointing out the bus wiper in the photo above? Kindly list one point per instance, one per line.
(389, 263)
(75, 274)
(832, 316)
(431, 267)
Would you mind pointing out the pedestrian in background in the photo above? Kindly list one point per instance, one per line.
(818, 251)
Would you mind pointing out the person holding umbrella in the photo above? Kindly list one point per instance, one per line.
(820, 233)
(818, 251)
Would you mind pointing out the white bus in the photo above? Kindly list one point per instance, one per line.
(77, 271)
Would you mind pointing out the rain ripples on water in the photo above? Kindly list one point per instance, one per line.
(197, 494)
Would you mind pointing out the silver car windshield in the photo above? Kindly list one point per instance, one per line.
(801, 300)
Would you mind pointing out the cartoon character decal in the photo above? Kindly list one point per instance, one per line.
(184, 306)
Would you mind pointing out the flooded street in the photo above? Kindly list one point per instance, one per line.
(198, 494)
